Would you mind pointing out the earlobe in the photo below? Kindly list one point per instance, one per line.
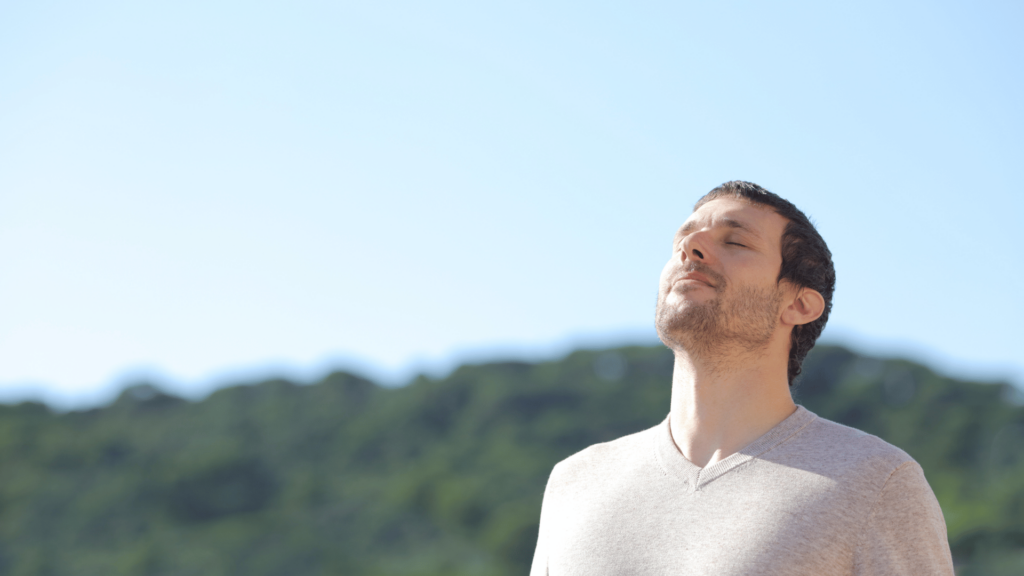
(806, 307)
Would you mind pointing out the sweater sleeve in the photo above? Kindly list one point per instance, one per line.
(539, 567)
(905, 532)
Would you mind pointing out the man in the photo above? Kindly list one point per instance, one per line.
(738, 479)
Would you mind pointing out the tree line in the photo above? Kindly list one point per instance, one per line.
(442, 476)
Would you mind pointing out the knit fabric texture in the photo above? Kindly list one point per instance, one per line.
(808, 497)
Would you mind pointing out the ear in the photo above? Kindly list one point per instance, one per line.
(806, 306)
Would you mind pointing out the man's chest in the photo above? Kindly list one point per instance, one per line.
(731, 528)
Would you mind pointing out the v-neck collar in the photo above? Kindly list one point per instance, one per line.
(695, 477)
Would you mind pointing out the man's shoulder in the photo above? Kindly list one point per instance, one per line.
(844, 450)
(607, 457)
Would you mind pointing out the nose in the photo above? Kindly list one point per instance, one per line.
(694, 247)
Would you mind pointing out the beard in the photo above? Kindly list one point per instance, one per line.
(744, 321)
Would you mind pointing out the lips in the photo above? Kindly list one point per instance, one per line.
(695, 276)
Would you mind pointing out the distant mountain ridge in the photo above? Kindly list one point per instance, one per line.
(442, 476)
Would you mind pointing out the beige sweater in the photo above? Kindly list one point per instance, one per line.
(809, 497)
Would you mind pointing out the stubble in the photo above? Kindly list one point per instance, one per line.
(742, 321)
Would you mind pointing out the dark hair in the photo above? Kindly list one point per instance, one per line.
(806, 261)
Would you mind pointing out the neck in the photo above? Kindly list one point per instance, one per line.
(719, 407)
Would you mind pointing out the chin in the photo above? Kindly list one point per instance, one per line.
(674, 324)
(687, 323)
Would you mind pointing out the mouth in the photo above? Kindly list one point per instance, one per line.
(695, 277)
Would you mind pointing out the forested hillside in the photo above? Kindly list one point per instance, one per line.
(439, 477)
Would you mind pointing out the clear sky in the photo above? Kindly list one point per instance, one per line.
(200, 191)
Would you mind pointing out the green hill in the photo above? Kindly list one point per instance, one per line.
(437, 477)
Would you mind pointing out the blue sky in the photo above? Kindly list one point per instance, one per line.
(203, 191)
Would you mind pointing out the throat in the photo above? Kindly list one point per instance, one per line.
(714, 414)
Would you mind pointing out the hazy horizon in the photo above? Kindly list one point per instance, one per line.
(391, 376)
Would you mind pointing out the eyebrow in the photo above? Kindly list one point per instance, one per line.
(728, 222)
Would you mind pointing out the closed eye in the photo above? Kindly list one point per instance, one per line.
(736, 244)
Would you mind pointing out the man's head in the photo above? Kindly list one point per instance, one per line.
(747, 267)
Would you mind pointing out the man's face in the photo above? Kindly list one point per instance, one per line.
(720, 285)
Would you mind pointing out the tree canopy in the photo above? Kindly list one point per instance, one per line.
(440, 476)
